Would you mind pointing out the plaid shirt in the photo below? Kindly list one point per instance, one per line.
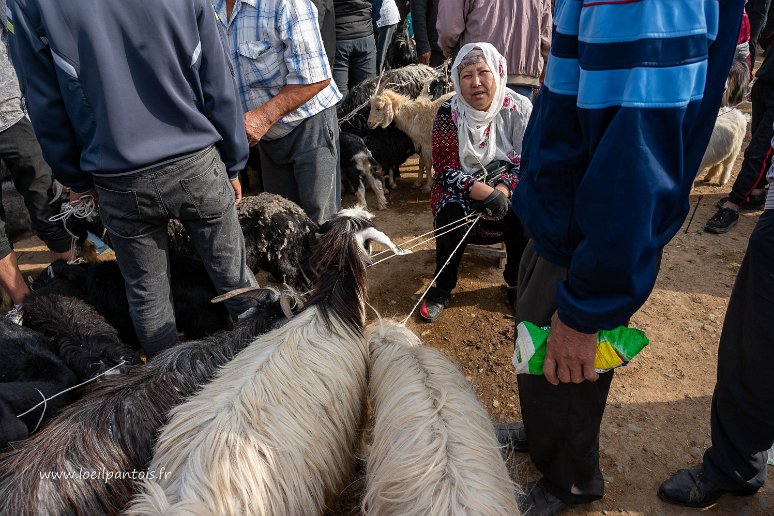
(274, 43)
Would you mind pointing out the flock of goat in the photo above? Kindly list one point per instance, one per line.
(268, 416)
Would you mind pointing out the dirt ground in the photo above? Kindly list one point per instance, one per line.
(657, 418)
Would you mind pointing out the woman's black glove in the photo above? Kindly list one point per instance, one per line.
(495, 206)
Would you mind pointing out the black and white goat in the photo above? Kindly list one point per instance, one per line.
(278, 237)
(276, 431)
(358, 165)
(102, 286)
(29, 373)
(111, 430)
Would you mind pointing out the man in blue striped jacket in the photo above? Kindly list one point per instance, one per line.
(630, 97)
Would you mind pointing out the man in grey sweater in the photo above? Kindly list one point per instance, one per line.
(134, 103)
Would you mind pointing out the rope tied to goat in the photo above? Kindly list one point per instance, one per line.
(83, 208)
(46, 400)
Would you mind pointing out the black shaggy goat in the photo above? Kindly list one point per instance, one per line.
(390, 148)
(111, 430)
(102, 286)
(278, 237)
(29, 370)
(358, 165)
(81, 337)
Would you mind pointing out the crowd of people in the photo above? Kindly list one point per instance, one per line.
(579, 154)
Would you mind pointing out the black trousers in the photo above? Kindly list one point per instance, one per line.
(562, 421)
(758, 154)
(33, 179)
(756, 11)
(515, 241)
(743, 402)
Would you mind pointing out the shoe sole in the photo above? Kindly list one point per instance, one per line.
(713, 503)
(720, 231)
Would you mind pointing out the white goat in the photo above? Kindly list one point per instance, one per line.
(434, 449)
(724, 145)
(275, 432)
(415, 118)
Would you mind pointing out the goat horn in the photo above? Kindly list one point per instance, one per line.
(377, 236)
(254, 292)
(285, 305)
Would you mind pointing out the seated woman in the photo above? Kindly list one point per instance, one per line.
(480, 128)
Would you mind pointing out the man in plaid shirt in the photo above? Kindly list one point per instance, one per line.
(284, 84)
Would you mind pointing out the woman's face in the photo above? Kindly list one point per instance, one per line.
(478, 85)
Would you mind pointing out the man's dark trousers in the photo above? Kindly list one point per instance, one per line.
(757, 156)
(136, 207)
(743, 402)
(562, 421)
(32, 178)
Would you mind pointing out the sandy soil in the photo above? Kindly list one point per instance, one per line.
(657, 419)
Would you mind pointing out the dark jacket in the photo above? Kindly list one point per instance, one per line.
(353, 19)
(614, 143)
(424, 13)
(766, 70)
(117, 85)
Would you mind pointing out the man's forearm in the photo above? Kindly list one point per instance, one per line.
(289, 98)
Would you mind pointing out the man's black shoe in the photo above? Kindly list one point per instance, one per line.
(723, 220)
(537, 501)
(512, 436)
(691, 488)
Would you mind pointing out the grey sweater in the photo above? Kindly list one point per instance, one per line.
(117, 85)
(10, 96)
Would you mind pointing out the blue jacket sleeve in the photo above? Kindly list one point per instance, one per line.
(633, 197)
(40, 86)
(221, 99)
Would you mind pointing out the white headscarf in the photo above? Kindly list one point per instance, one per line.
(477, 130)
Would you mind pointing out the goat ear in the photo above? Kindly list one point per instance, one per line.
(258, 293)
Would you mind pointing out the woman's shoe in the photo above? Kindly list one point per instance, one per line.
(434, 303)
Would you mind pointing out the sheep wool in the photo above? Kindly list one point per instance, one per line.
(434, 449)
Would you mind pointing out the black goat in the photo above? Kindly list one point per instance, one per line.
(278, 237)
(81, 337)
(357, 164)
(390, 148)
(113, 427)
(29, 371)
(102, 286)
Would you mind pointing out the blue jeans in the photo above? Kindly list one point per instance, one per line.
(135, 209)
(354, 63)
(522, 90)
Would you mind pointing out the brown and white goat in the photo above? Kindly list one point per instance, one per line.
(434, 449)
(415, 118)
(276, 431)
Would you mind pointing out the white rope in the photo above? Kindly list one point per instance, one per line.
(403, 244)
(460, 224)
(83, 208)
(45, 405)
(46, 400)
(403, 323)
